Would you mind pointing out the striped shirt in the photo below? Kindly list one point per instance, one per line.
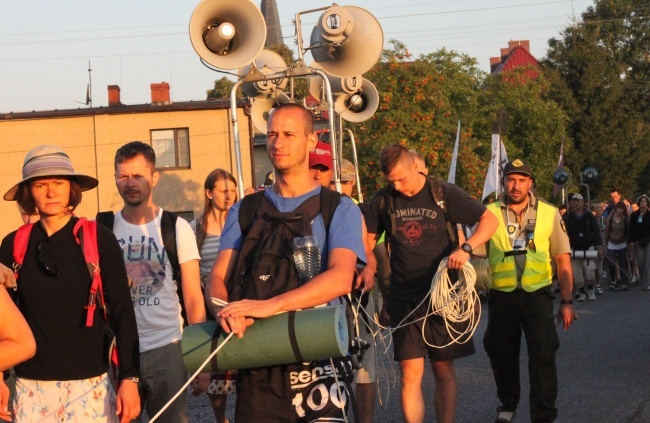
(208, 252)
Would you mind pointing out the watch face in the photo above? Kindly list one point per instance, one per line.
(467, 248)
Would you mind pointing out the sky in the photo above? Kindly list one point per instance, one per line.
(46, 46)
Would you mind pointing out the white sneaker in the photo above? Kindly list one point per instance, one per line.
(591, 295)
(582, 297)
(633, 279)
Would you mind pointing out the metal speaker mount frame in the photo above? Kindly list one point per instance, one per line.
(268, 63)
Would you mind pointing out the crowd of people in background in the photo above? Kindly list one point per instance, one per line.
(617, 233)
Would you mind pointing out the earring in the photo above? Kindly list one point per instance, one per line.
(209, 198)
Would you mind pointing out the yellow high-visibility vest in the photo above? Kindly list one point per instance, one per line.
(537, 270)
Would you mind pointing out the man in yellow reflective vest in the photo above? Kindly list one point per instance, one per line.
(530, 234)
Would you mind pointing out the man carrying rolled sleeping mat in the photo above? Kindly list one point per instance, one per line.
(300, 391)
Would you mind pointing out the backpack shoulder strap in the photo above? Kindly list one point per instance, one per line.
(387, 209)
(329, 201)
(248, 210)
(85, 233)
(168, 230)
(106, 218)
(21, 240)
(435, 185)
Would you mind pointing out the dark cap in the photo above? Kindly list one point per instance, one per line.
(517, 166)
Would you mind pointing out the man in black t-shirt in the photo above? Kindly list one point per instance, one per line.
(418, 244)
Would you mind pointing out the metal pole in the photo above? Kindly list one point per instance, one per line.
(235, 131)
(356, 164)
(331, 116)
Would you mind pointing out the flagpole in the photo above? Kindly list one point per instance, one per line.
(498, 170)
(454, 158)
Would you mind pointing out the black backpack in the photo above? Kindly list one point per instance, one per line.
(265, 267)
(387, 207)
(168, 229)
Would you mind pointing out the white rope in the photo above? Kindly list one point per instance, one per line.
(383, 365)
(205, 363)
(455, 302)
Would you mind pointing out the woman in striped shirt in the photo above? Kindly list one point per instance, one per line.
(220, 194)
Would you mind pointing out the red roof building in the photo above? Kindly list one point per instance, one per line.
(516, 55)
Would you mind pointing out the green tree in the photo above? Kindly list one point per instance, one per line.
(421, 101)
(599, 69)
(221, 89)
(535, 125)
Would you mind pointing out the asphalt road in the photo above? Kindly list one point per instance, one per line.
(603, 370)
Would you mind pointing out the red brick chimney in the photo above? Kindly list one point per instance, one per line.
(114, 95)
(525, 44)
(494, 62)
(160, 93)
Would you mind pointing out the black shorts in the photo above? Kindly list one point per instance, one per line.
(408, 341)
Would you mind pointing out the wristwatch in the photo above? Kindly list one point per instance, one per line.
(466, 247)
(133, 379)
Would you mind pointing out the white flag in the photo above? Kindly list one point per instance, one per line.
(454, 159)
(499, 159)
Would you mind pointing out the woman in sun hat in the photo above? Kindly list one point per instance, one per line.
(67, 378)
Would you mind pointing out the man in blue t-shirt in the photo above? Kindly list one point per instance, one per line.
(290, 137)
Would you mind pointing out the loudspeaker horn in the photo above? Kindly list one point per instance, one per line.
(348, 85)
(361, 105)
(268, 63)
(589, 174)
(560, 177)
(263, 105)
(227, 34)
(346, 41)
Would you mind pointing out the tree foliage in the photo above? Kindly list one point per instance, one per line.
(599, 70)
(534, 125)
(221, 89)
(421, 101)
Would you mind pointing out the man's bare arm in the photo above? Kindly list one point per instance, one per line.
(192, 295)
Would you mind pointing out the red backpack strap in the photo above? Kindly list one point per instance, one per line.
(88, 242)
(20, 246)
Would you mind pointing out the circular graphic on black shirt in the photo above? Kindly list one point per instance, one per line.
(412, 232)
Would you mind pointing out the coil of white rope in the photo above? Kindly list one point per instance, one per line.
(456, 302)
